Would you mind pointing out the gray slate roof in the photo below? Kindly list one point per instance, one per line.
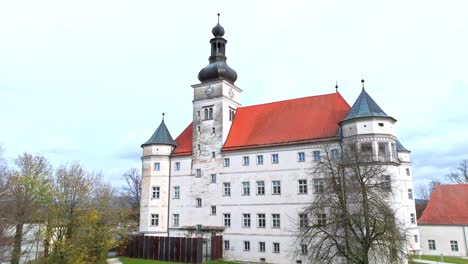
(399, 147)
(365, 106)
(161, 137)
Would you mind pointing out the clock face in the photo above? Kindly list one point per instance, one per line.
(231, 93)
(209, 90)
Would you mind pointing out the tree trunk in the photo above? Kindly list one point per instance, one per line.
(16, 254)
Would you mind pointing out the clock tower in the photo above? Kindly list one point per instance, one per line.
(215, 101)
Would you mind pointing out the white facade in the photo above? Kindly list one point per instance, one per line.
(447, 240)
(253, 197)
(200, 182)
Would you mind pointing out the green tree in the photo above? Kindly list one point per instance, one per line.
(29, 186)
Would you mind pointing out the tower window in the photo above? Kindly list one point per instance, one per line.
(210, 113)
(198, 129)
(381, 124)
(198, 113)
(213, 130)
(410, 194)
(157, 166)
(206, 114)
(199, 202)
(198, 173)
(213, 210)
(213, 178)
(156, 192)
(177, 166)
(213, 154)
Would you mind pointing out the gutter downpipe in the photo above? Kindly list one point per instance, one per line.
(466, 242)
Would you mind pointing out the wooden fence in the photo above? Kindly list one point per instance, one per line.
(177, 249)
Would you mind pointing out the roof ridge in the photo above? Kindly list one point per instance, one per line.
(288, 100)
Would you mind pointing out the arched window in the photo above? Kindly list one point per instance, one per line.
(206, 114)
(211, 113)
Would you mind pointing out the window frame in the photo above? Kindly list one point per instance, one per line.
(157, 166)
(261, 220)
(213, 178)
(302, 188)
(276, 221)
(177, 166)
(227, 162)
(275, 249)
(245, 161)
(301, 156)
(260, 187)
(245, 188)
(175, 220)
(318, 186)
(246, 221)
(198, 202)
(227, 219)
(317, 155)
(431, 244)
(276, 189)
(226, 189)
(155, 193)
(454, 246)
(259, 160)
(213, 210)
(275, 158)
(176, 194)
(261, 246)
(246, 245)
(154, 220)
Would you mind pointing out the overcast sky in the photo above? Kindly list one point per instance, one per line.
(88, 80)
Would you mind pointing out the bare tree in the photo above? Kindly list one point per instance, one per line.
(460, 174)
(132, 190)
(425, 191)
(350, 217)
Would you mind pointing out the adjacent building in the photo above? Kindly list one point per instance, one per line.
(444, 223)
(244, 171)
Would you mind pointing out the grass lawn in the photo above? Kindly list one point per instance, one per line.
(438, 258)
(146, 261)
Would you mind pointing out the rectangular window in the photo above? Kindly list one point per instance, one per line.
(301, 157)
(454, 245)
(303, 249)
(156, 192)
(245, 188)
(226, 189)
(198, 129)
(408, 173)
(416, 238)
(316, 155)
(213, 154)
(199, 202)
(302, 186)
(275, 221)
(198, 173)
(176, 192)
(386, 182)
(298, 261)
(227, 162)
(175, 220)
(213, 178)
(245, 220)
(177, 166)
(321, 219)
(410, 194)
(303, 220)
(245, 161)
(227, 220)
(261, 246)
(412, 219)
(198, 147)
(154, 219)
(213, 210)
(318, 185)
(213, 130)
(261, 220)
(274, 158)
(334, 154)
(432, 245)
(246, 245)
(157, 166)
(260, 160)
(226, 244)
(276, 247)
(276, 185)
(260, 188)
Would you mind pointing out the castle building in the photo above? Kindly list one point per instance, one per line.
(244, 171)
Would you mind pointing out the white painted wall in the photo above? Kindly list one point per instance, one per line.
(442, 234)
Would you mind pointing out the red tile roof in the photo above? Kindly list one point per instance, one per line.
(448, 205)
(287, 122)
(292, 121)
(184, 142)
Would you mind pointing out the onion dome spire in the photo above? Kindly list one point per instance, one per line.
(217, 69)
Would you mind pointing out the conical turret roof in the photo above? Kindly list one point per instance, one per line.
(161, 137)
(365, 106)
